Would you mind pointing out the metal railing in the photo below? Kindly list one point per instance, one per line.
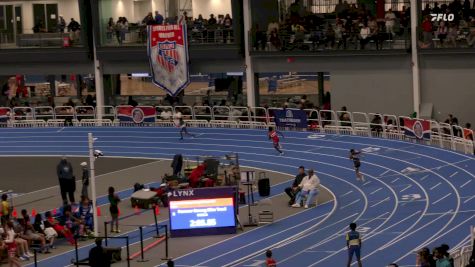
(387, 126)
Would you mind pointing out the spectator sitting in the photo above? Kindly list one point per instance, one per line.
(446, 249)
(61, 230)
(85, 215)
(166, 114)
(46, 229)
(197, 178)
(270, 262)
(365, 34)
(308, 188)
(295, 189)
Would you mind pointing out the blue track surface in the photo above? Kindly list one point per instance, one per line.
(394, 225)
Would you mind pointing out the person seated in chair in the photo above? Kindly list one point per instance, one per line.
(308, 188)
(197, 178)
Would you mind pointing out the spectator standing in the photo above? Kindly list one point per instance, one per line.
(353, 242)
(85, 180)
(114, 209)
(423, 258)
(158, 18)
(5, 209)
(270, 262)
(67, 181)
(228, 25)
(74, 30)
(427, 32)
(61, 24)
(390, 21)
(293, 190)
(110, 29)
(441, 260)
(442, 32)
(98, 257)
(308, 188)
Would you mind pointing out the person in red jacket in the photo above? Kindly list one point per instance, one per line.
(196, 175)
(270, 262)
(274, 135)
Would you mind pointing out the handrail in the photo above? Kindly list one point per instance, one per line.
(326, 121)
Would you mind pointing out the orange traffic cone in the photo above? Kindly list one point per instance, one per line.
(98, 211)
(14, 213)
(33, 213)
(157, 210)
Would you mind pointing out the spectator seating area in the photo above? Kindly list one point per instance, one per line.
(444, 134)
(459, 33)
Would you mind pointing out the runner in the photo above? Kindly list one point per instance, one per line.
(274, 135)
(357, 163)
(182, 124)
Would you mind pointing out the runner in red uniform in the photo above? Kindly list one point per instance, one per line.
(274, 135)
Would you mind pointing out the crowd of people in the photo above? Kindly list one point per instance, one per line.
(353, 27)
(460, 32)
(211, 30)
(22, 234)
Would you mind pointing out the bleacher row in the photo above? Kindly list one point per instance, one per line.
(320, 121)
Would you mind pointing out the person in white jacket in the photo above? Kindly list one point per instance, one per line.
(309, 189)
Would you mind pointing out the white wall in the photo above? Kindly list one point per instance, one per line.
(159, 5)
(68, 8)
(207, 7)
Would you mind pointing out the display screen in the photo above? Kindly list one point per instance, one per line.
(202, 213)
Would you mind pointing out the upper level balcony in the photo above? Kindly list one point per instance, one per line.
(33, 24)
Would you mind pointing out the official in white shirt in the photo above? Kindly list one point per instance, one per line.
(309, 189)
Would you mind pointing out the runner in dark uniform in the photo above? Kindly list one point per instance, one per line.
(354, 156)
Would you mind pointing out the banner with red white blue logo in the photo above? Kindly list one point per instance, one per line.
(168, 55)
(4, 114)
(136, 114)
(415, 128)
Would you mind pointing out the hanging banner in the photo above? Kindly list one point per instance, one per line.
(136, 114)
(419, 129)
(168, 55)
(290, 118)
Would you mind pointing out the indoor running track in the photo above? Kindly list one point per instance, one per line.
(414, 195)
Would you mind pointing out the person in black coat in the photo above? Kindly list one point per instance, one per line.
(67, 181)
(294, 189)
(177, 164)
(98, 257)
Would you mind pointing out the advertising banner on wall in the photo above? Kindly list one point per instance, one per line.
(415, 128)
(136, 114)
(168, 56)
(290, 118)
(203, 211)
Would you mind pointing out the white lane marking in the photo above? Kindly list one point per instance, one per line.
(405, 188)
(468, 199)
(435, 186)
(347, 193)
(440, 199)
(377, 190)
(425, 177)
(60, 130)
(453, 174)
(367, 183)
(466, 183)
(347, 205)
(384, 200)
(395, 180)
(384, 172)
